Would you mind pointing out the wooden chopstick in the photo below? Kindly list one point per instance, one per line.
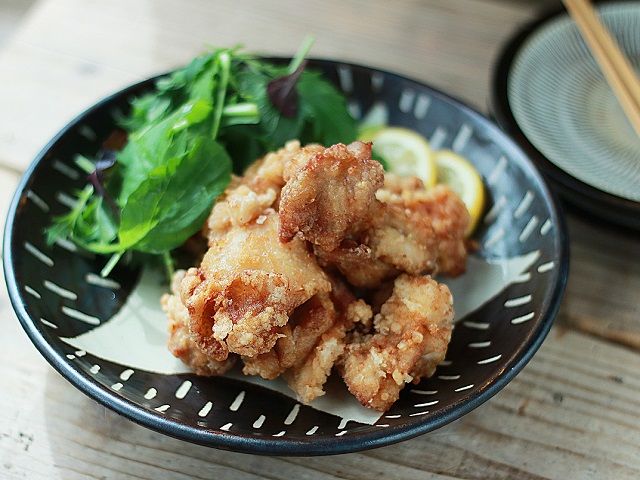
(614, 65)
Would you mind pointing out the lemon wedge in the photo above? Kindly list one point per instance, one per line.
(404, 152)
(461, 176)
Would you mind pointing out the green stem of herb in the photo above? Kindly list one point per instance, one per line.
(111, 263)
(301, 53)
(101, 248)
(81, 203)
(168, 264)
(225, 67)
(241, 110)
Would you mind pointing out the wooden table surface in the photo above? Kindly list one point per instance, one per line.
(573, 412)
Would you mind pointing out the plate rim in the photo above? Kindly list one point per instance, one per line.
(586, 197)
(282, 445)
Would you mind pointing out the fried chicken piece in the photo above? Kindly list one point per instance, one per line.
(239, 206)
(397, 185)
(357, 262)
(261, 291)
(275, 168)
(412, 332)
(403, 238)
(400, 240)
(312, 342)
(332, 196)
(247, 197)
(299, 159)
(450, 219)
(247, 286)
(308, 377)
(306, 324)
(267, 171)
(447, 214)
(369, 233)
(181, 343)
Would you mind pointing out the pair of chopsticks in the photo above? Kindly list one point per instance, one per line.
(614, 65)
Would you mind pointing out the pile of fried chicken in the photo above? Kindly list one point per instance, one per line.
(318, 261)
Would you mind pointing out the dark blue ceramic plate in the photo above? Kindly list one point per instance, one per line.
(509, 296)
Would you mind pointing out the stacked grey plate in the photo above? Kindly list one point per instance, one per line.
(550, 94)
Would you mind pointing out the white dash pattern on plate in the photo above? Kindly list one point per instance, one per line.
(237, 402)
(183, 389)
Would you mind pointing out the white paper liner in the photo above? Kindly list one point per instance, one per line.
(136, 337)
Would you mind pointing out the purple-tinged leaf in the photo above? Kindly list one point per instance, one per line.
(283, 94)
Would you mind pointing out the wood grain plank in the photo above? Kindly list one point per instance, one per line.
(604, 275)
(11, 14)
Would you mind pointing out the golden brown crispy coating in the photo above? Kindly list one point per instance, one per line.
(396, 185)
(247, 197)
(306, 324)
(412, 332)
(445, 211)
(267, 172)
(332, 196)
(307, 378)
(299, 159)
(403, 238)
(450, 219)
(309, 374)
(312, 342)
(413, 230)
(357, 262)
(290, 244)
(181, 343)
(398, 240)
(239, 206)
(247, 286)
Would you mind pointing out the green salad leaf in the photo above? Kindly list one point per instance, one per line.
(184, 139)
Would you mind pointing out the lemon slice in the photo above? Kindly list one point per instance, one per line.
(404, 152)
(461, 176)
